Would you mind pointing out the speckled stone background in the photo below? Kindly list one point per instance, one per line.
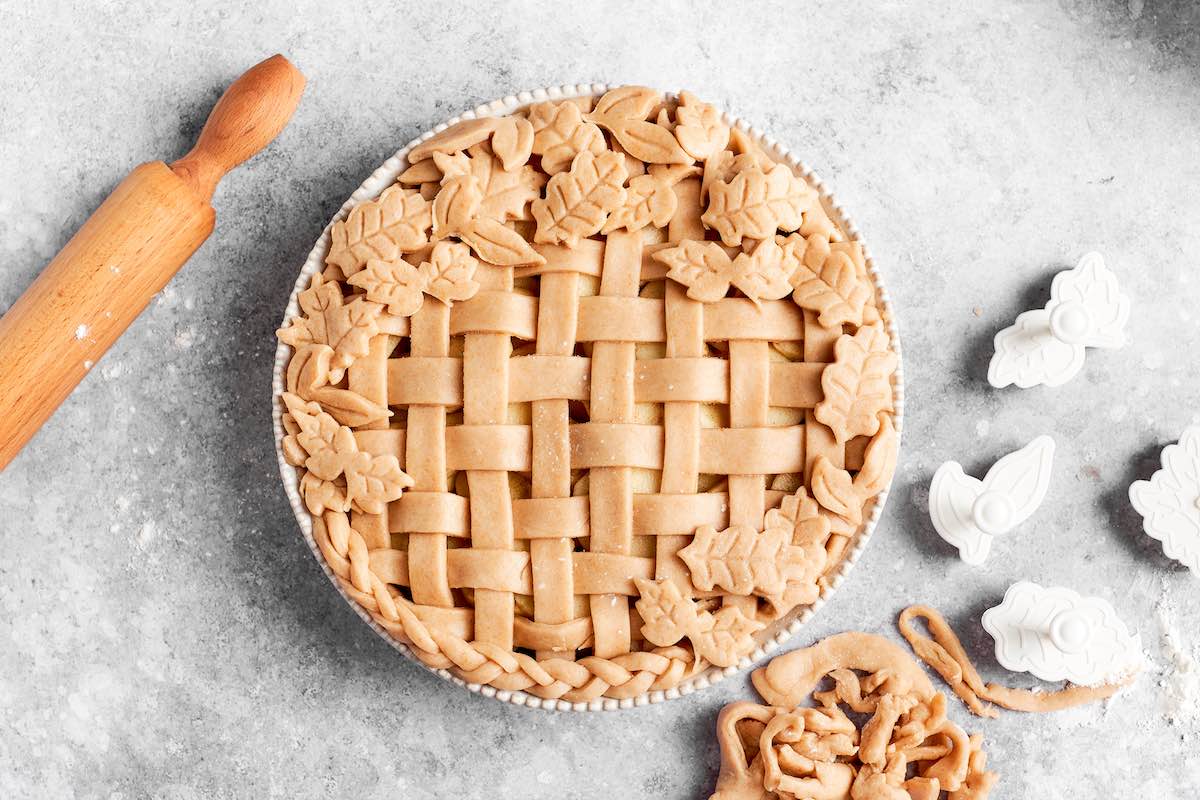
(164, 631)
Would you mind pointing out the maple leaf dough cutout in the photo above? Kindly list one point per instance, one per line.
(456, 212)
(623, 112)
(707, 270)
(329, 451)
(845, 496)
(857, 385)
(826, 282)
(668, 616)
(755, 204)
(308, 377)
(506, 194)
(448, 275)
(397, 222)
(345, 327)
(699, 128)
(560, 133)
(649, 199)
(578, 202)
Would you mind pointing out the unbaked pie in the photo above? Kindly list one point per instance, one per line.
(589, 397)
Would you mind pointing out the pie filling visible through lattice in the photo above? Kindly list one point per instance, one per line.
(589, 397)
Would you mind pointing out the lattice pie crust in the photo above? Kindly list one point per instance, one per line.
(588, 397)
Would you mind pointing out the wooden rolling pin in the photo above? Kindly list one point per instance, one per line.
(126, 252)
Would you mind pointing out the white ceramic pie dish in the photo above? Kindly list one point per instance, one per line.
(777, 633)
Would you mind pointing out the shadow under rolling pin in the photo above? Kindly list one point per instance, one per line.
(126, 252)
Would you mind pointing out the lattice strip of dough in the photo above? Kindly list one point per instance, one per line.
(611, 488)
(425, 461)
(485, 402)
(681, 420)
(819, 440)
(749, 396)
(552, 565)
(368, 377)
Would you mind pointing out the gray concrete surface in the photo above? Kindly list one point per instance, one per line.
(164, 631)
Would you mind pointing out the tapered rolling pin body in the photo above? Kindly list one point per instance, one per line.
(126, 252)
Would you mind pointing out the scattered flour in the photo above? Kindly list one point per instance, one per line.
(81, 332)
(146, 534)
(1180, 678)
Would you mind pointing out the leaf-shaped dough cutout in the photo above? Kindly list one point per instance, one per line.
(397, 222)
(622, 112)
(646, 141)
(426, 171)
(308, 378)
(666, 614)
(879, 460)
(1028, 354)
(764, 274)
(704, 267)
(721, 167)
(374, 481)
(1093, 286)
(371, 481)
(628, 102)
(512, 142)
(498, 244)
(756, 204)
(396, 284)
(834, 290)
(348, 408)
(800, 515)
(457, 137)
(857, 385)
(560, 134)
(699, 128)
(456, 211)
(648, 199)
(449, 274)
(456, 205)
(740, 560)
(505, 194)
(345, 327)
(578, 202)
(834, 489)
(728, 637)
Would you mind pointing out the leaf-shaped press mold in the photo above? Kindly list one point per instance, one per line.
(969, 513)
(1170, 500)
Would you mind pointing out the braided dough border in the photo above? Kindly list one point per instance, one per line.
(532, 685)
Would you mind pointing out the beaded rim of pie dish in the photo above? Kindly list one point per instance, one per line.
(780, 631)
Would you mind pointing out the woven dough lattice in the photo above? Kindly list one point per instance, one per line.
(588, 398)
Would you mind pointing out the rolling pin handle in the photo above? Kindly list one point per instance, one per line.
(252, 112)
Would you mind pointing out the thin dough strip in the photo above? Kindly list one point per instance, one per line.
(944, 654)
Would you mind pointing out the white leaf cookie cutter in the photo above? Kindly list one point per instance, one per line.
(1046, 346)
(1057, 634)
(968, 512)
(1170, 500)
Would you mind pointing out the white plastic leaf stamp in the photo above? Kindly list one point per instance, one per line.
(1057, 635)
(1046, 346)
(1170, 500)
(969, 513)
